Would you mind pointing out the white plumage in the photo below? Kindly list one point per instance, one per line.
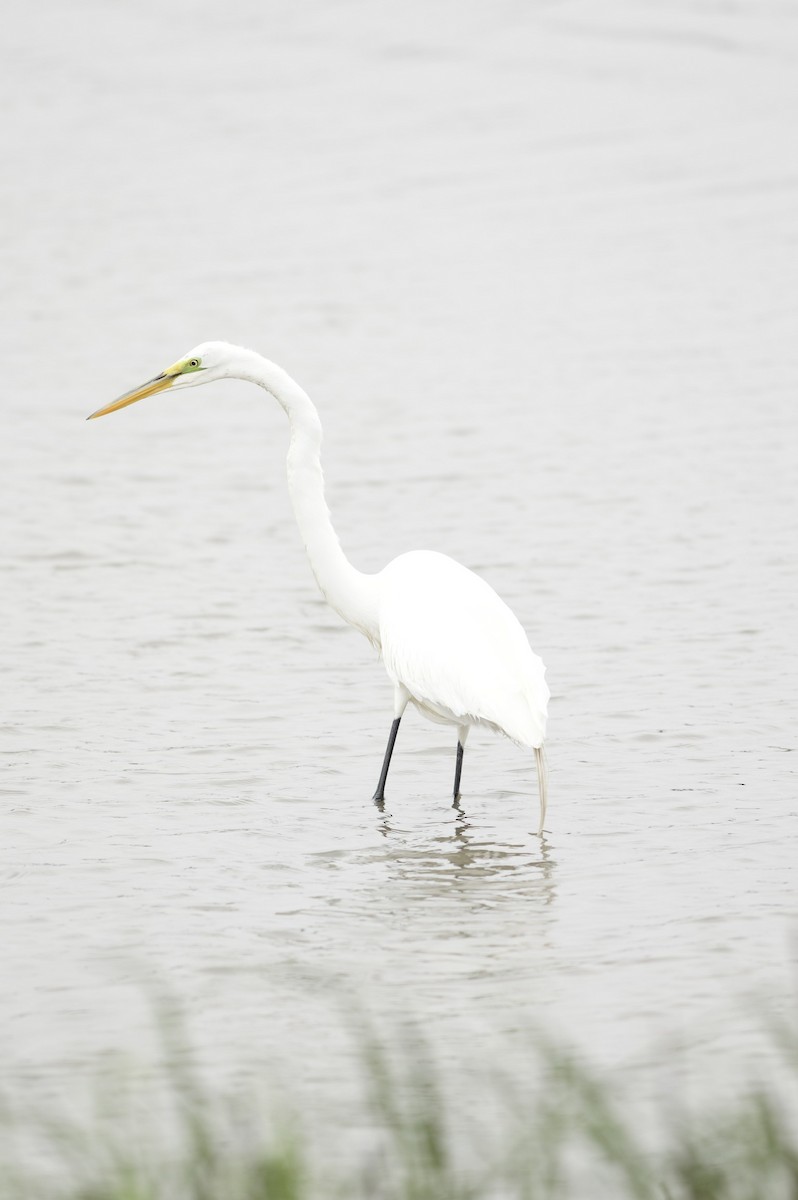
(449, 643)
(455, 646)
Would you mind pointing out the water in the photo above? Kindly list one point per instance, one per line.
(536, 264)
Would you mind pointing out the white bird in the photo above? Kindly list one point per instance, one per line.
(449, 643)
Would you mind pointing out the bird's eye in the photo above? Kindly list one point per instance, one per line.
(193, 362)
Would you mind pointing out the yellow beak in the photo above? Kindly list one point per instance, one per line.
(158, 384)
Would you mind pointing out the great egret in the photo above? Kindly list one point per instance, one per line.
(449, 643)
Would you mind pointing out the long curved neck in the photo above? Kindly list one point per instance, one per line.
(351, 593)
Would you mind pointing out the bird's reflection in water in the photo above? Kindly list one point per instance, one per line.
(466, 854)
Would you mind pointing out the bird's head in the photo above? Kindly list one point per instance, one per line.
(211, 360)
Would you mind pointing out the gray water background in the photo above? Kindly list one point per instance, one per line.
(536, 265)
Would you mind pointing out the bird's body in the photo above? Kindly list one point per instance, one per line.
(450, 645)
(455, 646)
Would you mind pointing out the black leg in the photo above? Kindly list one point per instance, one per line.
(458, 769)
(386, 762)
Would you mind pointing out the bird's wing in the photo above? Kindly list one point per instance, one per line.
(457, 647)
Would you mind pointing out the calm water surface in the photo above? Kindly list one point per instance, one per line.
(536, 265)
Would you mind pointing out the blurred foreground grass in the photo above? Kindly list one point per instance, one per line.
(574, 1142)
